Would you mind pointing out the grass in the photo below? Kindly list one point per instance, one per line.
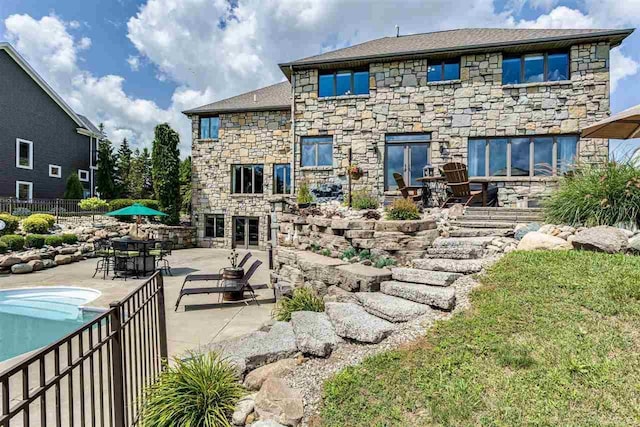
(303, 299)
(552, 339)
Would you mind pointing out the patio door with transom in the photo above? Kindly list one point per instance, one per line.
(245, 232)
(406, 154)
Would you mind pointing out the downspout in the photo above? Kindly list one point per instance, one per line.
(293, 131)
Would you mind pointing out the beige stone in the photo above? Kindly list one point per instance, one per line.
(540, 241)
(279, 369)
(279, 402)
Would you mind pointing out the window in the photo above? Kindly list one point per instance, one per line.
(55, 171)
(209, 127)
(522, 156)
(406, 154)
(24, 190)
(317, 151)
(247, 179)
(24, 154)
(539, 67)
(343, 83)
(282, 178)
(439, 71)
(214, 226)
(83, 175)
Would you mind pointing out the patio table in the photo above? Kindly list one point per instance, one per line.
(144, 264)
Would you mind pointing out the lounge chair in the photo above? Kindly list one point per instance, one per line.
(408, 192)
(458, 182)
(218, 278)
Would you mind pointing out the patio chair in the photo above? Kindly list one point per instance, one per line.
(104, 253)
(238, 285)
(458, 182)
(412, 193)
(161, 251)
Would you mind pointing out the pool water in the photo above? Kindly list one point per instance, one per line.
(35, 317)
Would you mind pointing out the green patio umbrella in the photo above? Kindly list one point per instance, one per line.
(138, 210)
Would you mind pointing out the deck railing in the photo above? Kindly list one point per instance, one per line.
(60, 208)
(96, 375)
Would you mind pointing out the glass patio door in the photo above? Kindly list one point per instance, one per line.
(406, 155)
(246, 232)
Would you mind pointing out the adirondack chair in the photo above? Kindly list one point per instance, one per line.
(412, 193)
(458, 181)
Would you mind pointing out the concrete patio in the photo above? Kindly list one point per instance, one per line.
(197, 322)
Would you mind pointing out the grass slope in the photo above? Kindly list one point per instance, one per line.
(553, 339)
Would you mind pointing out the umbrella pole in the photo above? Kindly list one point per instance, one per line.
(137, 224)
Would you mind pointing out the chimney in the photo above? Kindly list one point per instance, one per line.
(255, 98)
(397, 30)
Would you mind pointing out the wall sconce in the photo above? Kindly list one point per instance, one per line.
(444, 149)
(421, 108)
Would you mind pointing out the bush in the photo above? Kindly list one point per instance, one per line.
(116, 204)
(364, 254)
(53, 241)
(3, 247)
(383, 262)
(361, 200)
(21, 212)
(51, 220)
(199, 391)
(304, 194)
(11, 223)
(604, 195)
(403, 210)
(35, 225)
(13, 242)
(93, 204)
(325, 252)
(34, 241)
(349, 253)
(150, 203)
(74, 188)
(69, 239)
(303, 299)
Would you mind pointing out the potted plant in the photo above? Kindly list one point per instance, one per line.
(304, 198)
(231, 275)
(356, 172)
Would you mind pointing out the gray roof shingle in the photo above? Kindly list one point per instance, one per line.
(274, 97)
(89, 125)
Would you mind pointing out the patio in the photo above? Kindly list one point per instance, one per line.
(197, 322)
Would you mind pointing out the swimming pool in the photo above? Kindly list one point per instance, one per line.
(31, 318)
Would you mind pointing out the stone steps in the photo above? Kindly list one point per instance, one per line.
(480, 232)
(391, 308)
(474, 223)
(456, 242)
(353, 322)
(462, 266)
(423, 276)
(435, 296)
(473, 209)
(460, 252)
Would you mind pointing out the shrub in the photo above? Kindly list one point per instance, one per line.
(304, 194)
(34, 241)
(604, 195)
(314, 247)
(11, 223)
(33, 224)
(325, 252)
(13, 242)
(51, 220)
(303, 299)
(349, 253)
(93, 204)
(403, 210)
(69, 239)
(74, 188)
(53, 241)
(364, 254)
(361, 200)
(150, 203)
(21, 212)
(3, 247)
(199, 391)
(116, 204)
(383, 262)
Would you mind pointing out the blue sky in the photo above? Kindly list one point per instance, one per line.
(134, 63)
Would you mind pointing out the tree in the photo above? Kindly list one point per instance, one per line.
(124, 169)
(93, 204)
(165, 161)
(136, 179)
(74, 188)
(147, 184)
(185, 184)
(105, 175)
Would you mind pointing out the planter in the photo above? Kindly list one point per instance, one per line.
(232, 276)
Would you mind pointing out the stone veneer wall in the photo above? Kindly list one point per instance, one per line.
(244, 138)
(478, 105)
(182, 237)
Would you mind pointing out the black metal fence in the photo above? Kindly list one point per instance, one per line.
(60, 208)
(95, 376)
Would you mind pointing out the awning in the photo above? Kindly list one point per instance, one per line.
(623, 125)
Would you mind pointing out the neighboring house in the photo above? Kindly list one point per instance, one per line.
(42, 139)
(507, 102)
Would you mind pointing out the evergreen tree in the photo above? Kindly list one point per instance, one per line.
(136, 177)
(105, 175)
(165, 161)
(124, 169)
(147, 184)
(185, 184)
(74, 188)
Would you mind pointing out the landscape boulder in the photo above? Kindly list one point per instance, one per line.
(63, 259)
(314, 333)
(601, 239)
(21, 268)
(278, 402)
(9, 260)
(352, 321)
(634, 243)
(36, 264)
(535, 240)
(243, 408)
(48, 263)
(279, 369)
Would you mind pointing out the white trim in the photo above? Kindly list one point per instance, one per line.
(80, 172)
(30, 184)
(30, 143)
(59, 175)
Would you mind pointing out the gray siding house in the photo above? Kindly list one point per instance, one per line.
(42, 139)
(509, 103)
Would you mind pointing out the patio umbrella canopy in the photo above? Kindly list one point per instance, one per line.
(136, 210)
(624, 125)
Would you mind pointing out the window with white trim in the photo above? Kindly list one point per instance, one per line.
(83, 175)
(24, 154)
(55, 171)
(24, 190)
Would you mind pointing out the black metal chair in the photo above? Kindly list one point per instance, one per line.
(104, 252)
(161, 251)
(124, 259)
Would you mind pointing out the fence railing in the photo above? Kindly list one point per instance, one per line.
(60, 208)
(96, 375)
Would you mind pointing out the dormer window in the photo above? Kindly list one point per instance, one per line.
(534, 68)
(440, 71)
(345, 82)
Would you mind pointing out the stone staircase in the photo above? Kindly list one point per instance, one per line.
(493, 221)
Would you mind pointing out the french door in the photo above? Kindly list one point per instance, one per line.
(246, 232)
(406, 155)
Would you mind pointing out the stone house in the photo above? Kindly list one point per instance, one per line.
(509, 103)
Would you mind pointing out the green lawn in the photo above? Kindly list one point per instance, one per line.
(553, 339)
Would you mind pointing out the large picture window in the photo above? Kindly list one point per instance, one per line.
(406, 154)
(317, 151)
(282, 178)
(347, 82)
(209, 127)
(522, 156)
(247, 179)
(538, 67)
(214, 226)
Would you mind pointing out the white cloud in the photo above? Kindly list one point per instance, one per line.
(134, 62)
(560, 17)
(621, 67)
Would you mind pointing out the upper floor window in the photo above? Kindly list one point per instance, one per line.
(539, 67)
(55, 171)
(344, 82)
(209, 127)
(282, 178)
(439, 71)
(247, 179)
(24, 154)
(317, 151)
(83, 175)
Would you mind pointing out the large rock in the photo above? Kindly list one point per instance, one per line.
(21, 268)
(464, 266)
(426, 277)
(535, 240)
(359, 277)
(352, 321)
(278, 402)
(279, 369)
(405, 226)
(63, 259)
(634, 243)
(391, 308)
(314, 333)
(601, 239)
(48, 263)
(318, 267)
(266, 423)
(36, 264)
(9, 260)
(258, 348)
(337, 294)
(435, 296)
(29, 256)
(243, 408)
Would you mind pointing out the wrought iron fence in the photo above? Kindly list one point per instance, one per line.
(96, 375)
(60, 208)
